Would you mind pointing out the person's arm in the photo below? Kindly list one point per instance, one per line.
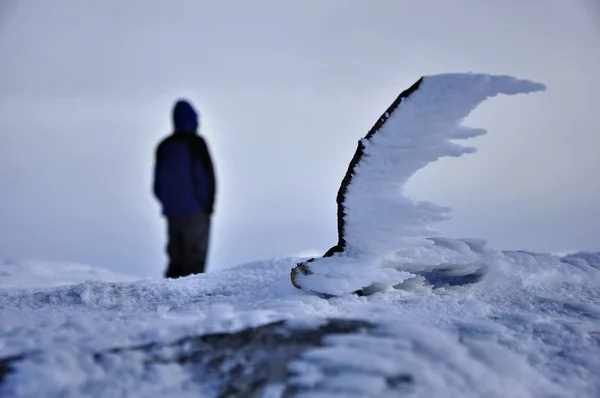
(204, 156)
(157, 166)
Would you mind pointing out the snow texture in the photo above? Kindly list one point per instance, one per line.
(421, 130)
(531, 329)
(379, 218)
(18, 274)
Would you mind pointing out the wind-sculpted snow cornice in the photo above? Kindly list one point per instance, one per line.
(374, 217)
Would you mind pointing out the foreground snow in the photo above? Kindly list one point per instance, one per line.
(531, 328)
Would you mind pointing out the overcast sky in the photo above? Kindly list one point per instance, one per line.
(285, 89)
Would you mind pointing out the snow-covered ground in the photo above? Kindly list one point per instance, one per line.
(17, 274)
(529, 328)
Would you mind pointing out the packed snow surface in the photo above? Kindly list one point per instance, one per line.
(529, 328)
(19, 274)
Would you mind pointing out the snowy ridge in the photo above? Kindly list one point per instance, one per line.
(532, 327)
(583, 260)
(19, 274)
(378, 219)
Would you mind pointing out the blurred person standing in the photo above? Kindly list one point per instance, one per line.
(185, 186)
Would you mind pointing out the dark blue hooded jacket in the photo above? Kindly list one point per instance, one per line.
(184, 180)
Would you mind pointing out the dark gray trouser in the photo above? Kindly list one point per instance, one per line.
(187, 247)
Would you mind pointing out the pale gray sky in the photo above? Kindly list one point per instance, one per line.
(285, 89)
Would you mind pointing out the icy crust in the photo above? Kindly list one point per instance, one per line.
(340, 274)
(333, 358)
(422, 129)
(532, 324)
(380, 220)
(408, 360)
(458, 256)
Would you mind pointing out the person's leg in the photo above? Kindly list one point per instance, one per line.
(196, 241)
(175, 248)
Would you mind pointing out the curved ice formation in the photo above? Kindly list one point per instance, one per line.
(375, 218)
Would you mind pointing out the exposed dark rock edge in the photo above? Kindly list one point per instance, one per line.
(6, 365)
(358, 156)
(245, 363)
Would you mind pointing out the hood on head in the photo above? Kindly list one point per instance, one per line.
(185, 118)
